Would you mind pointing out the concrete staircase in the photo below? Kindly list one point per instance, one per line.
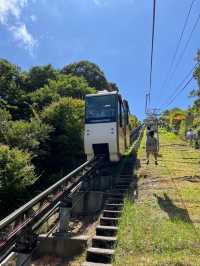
(104, 242)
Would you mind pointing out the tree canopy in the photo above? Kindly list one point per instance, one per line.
(90, 71)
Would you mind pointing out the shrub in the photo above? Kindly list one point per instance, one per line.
(66, 143)
(16, 170)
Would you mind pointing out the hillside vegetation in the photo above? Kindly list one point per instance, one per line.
(181, 120)
(41, 125)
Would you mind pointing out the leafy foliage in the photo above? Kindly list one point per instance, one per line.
(10, 84)
(64, 86)
(39, 76)
(16, 170)
(26, 136)
(90, 71)
(66, 144)
(133, 121)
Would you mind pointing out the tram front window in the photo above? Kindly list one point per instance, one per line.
(100, 109)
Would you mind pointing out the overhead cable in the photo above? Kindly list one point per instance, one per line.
(180, 91)
(178, 44)
(181, 84)
(152, 49)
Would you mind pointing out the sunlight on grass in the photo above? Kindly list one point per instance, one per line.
(151, 240)
(159, 228)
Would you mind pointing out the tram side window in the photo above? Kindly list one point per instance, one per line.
(126, 117)
(123, 116)
(120, 113)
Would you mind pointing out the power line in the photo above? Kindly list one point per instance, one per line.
(178, 44)
(179, 92)
(152, 48)
(187, 43)
(181, 84)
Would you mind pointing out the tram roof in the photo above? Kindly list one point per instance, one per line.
(100, 93)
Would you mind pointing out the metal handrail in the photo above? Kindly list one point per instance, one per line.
(10, 218)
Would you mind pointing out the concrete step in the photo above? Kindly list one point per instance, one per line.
(115, 194)
(113, 206)
(126, 174)
(124, 182)
(107, 221)
(121, 187)
(120, 191)
(111, 213)
(99, 255)
(95, 264)
(103, 242)
(106, 230)
(114, 200)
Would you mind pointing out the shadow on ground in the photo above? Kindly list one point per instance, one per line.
(175, 213)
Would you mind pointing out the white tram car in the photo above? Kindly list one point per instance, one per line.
(106, 125)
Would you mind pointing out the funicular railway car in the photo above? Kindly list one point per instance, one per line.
(106, 125)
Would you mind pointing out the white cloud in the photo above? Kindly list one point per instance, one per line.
(22, 35)
(10, 8)
(10, 17)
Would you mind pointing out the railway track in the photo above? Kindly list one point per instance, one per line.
(18, 231)
(21, 225)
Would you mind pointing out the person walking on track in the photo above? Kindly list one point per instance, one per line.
(152, 146)
(190, 136)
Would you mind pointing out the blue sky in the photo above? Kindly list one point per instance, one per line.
(115, 34)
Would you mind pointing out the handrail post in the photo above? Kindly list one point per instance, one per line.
(64, 217)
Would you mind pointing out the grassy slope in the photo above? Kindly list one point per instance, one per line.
(162, 227)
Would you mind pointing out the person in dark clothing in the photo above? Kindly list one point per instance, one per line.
(152, 146)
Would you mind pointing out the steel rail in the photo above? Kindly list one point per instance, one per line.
(48, 208)
(10, 218)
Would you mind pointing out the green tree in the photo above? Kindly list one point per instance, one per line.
(90, 71)
(10, 90)
(26, 136)
(112, 87)
(64, 86)
(66, 143)
(133, 121)
(38, 76)
(16, 170)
